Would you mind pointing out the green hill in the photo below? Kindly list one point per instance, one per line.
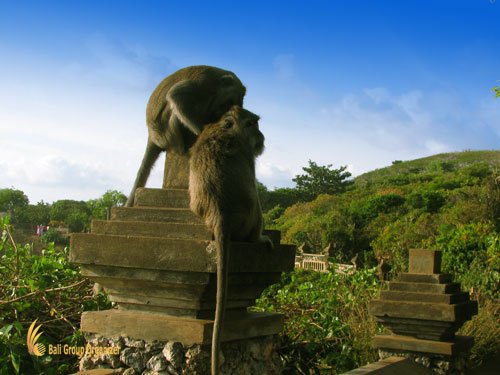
(435, 163)
(448, 201)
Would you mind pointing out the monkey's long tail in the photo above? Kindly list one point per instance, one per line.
(222, 240)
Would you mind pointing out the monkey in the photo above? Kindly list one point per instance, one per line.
(223, 192)
(179, 107)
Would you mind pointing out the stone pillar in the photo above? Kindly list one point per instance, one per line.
(176, 173)
(424, 308)
(157, 263)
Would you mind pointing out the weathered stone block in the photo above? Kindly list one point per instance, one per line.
(171, 198)
(151, 229)
(176, 173)
(424, 287)
(151, 326)
(424, 261)
(439, 278)
(391, 366)
(461, 343)
(155, 214)
(393, 295)
(424, 311)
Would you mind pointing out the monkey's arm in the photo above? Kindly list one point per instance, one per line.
(183, 98)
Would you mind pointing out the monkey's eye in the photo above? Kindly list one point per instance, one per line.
(228, 124)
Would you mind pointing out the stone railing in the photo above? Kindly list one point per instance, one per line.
(320, 263)
(314, 262)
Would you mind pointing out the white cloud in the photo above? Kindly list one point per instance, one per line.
(74, 129)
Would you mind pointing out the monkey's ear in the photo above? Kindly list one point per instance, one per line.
(182, 98)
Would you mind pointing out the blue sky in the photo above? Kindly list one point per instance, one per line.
(357, 83)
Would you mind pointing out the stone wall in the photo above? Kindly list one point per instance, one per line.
(243, 357)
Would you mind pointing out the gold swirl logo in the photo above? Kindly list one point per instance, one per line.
(34, 348)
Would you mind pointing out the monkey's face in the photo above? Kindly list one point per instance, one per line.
(245, 125)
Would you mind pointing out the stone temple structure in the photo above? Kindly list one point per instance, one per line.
(157, 262)
(423, 309)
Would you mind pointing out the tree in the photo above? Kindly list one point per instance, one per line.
(32, 214)
(75, 214)
(496, 90)
(11, 199)
(321, 179)
(100, 207)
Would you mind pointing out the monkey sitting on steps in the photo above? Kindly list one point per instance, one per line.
(223, 192)
(179, 107)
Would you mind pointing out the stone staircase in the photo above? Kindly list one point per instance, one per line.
(157, 262)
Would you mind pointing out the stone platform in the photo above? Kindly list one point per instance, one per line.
(423, 309)
(158, 264)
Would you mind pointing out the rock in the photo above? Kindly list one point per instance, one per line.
(131, 343)
(174, 353)
(157, 363)
(133, 357)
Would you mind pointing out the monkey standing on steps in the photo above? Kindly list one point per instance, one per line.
(222, 189)
(179, 107)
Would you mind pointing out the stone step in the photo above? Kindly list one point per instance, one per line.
(147, 290)
(151, 229)
(439, 278)
(423, 310)
(426, 330)
(163, 230)
(160, 303)
(176, 254)
(458, 345)
(164, 215)
(170, 198)
(451, 288)
(150, 326)
(392, 295)
(392, 366)
(176, 279)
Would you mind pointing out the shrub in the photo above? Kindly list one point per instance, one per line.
(45, 287)
(327, 324)
(471, 252)
(485, 329)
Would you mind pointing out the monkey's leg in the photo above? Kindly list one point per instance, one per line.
(150, 156)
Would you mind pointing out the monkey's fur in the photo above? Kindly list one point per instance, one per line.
(222, 189)
(179, 107)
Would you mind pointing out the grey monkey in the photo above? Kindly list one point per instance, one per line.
(222, 189)
(179, 107)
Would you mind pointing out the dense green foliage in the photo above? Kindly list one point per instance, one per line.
(75, 215)
(45, 287)
(432, 202)
(327, 324)
(11, 199)
(448, 202)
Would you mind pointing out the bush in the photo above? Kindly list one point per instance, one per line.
(45, 287)
(485, 329)
(55, 237)
(471, 252)
(327, 324)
